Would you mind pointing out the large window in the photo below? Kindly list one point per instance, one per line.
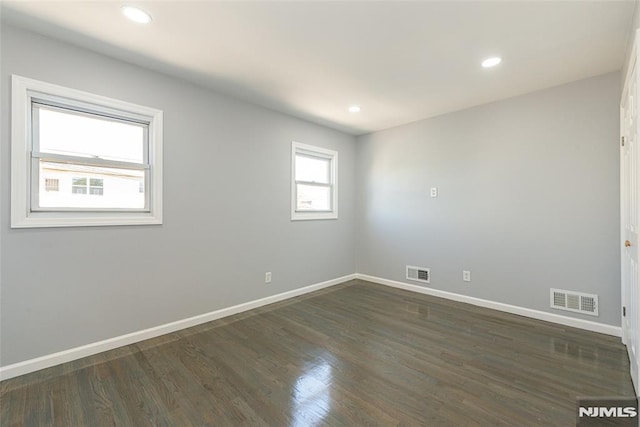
(314, 182)
(82, 160)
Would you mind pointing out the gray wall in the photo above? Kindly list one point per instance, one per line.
(226, 214)
(635, 25)
(528, 198)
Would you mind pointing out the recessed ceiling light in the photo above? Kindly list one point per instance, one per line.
(136, 15)
(354, 109)
(491, 62)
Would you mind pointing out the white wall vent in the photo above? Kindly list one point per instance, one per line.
(418, 274)
(574, 301)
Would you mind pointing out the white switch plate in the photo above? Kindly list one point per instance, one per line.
(267, 277)
(466, 275)
(434, 191)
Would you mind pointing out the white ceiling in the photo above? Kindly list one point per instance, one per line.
(401, 61)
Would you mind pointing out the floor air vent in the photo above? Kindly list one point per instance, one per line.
(574, 301)
(418, 274)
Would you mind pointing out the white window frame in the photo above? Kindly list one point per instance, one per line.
(310, 150)
(24, 157)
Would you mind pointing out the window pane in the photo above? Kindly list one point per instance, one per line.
(90, 136)
(312, 169)
(108, 187)
(313, 198)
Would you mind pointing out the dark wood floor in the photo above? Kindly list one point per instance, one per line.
(351, 355)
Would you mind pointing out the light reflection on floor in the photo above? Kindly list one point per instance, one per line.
(312, 394)
(574, 351)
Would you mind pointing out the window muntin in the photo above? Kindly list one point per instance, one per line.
(314, 182)
(92, 160)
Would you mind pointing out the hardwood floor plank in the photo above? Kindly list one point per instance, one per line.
(13, 406)
(354, 354)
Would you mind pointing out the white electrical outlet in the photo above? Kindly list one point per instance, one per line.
(434, 191)
(466, 275)
(267, 277)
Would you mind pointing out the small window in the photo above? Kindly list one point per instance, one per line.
(96, 187)
(91, 186)
(69, 146)
(314, 189)
(79, 186)
(51, 184)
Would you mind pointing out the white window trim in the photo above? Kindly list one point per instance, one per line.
(22, 216)
(296, 215)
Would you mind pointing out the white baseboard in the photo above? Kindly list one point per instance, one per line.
(54, 359)
(513, 309)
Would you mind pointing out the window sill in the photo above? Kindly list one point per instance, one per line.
(302, 216)
(84, 219)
